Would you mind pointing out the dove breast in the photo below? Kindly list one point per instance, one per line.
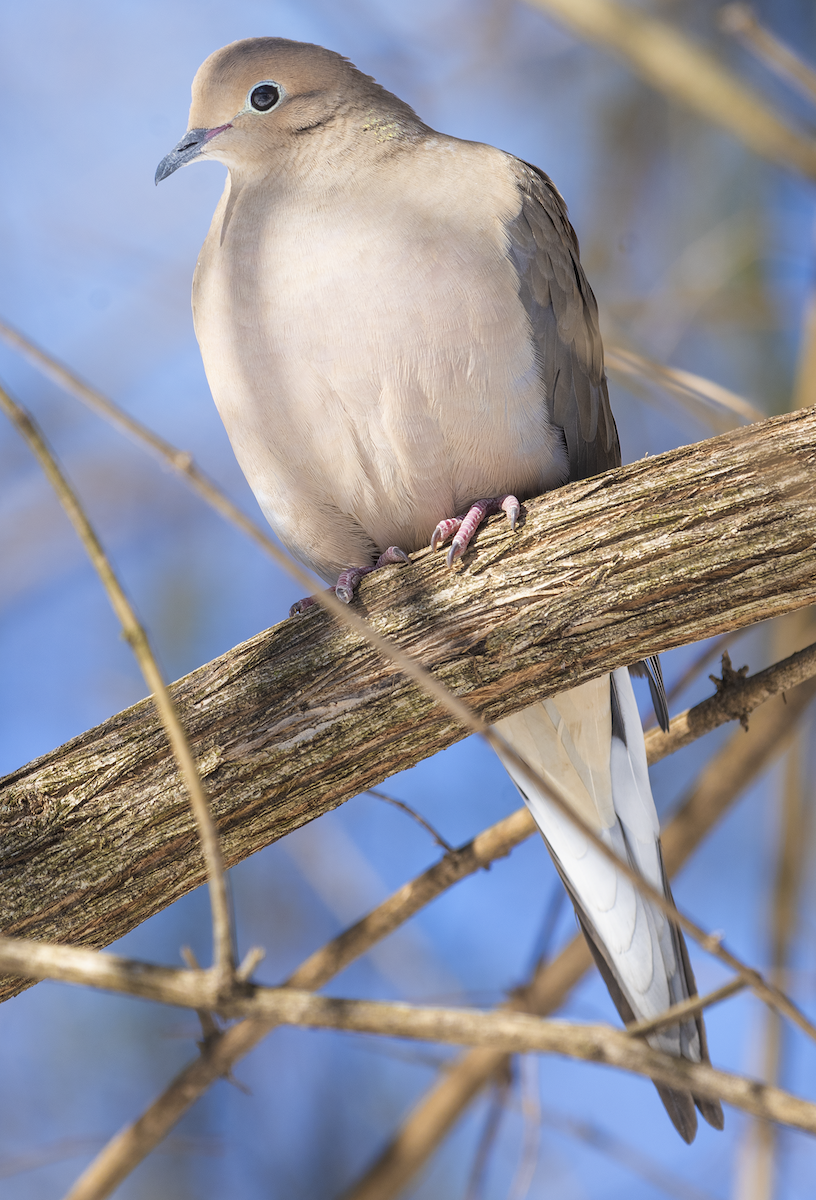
(367, 348)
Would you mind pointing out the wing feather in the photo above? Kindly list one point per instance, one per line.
(563, 317)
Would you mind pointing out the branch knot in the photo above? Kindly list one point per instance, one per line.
(730, 686)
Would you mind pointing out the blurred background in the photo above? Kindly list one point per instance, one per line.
(701, 254)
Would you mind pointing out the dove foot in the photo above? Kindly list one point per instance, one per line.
(464, 527)
(349, 580)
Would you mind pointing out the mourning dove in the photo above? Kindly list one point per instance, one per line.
(400, 339)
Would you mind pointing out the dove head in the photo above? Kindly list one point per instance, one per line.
(258, 102)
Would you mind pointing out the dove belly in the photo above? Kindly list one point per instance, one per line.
(370, 391)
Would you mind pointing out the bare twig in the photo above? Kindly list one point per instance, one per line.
(741, 22)
(544, 995)
(717, 405)
(209, 1026)
(531, 1142)
(487, 1141)
(756, 1170)
(634, 1160)
(733, 702)
(727, 775)
(507, 1031)
(503, 1030)
(224, 957)
(519, 1033)
(412, 812)
(685, 72)
(686, 1008)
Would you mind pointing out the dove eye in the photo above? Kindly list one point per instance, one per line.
(264, 96)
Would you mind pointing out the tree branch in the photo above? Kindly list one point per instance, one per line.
(688, 828)
(506, 1031)
(223, 950)
(724, 778)
(97, 836)
(673, 64)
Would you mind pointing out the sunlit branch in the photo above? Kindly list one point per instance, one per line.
(686, 1008)
(602, 572)
(687, 73)
(506, 1031)
(134, 633)
(724, 779)
(741, 22)
(718, 406)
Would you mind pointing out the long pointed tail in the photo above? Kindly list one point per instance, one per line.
(588, 744)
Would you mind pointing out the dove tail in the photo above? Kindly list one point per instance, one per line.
(588, 745)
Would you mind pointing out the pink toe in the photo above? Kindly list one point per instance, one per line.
(465, 527)
(512, 508)
(392, 555)
(444, 530)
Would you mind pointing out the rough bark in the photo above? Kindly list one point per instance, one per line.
(97, 835)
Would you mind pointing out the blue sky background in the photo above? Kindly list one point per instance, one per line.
(701, 255)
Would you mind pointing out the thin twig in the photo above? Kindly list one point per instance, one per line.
(723, 408)
(487, 1139)
(634, 1160)
(420, 820)
(741, 22)
(684, 71)
(690, 825)
(686, 1008)
(209, 1026)
(512, 1032)
(501, 1029)
(732, 769)
(531, 1143)
(224, 955)
(518, 1033)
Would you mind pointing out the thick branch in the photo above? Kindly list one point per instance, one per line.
(97, 836)
(693, 821)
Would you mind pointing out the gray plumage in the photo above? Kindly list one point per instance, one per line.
(564, 318)
(396, 324)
